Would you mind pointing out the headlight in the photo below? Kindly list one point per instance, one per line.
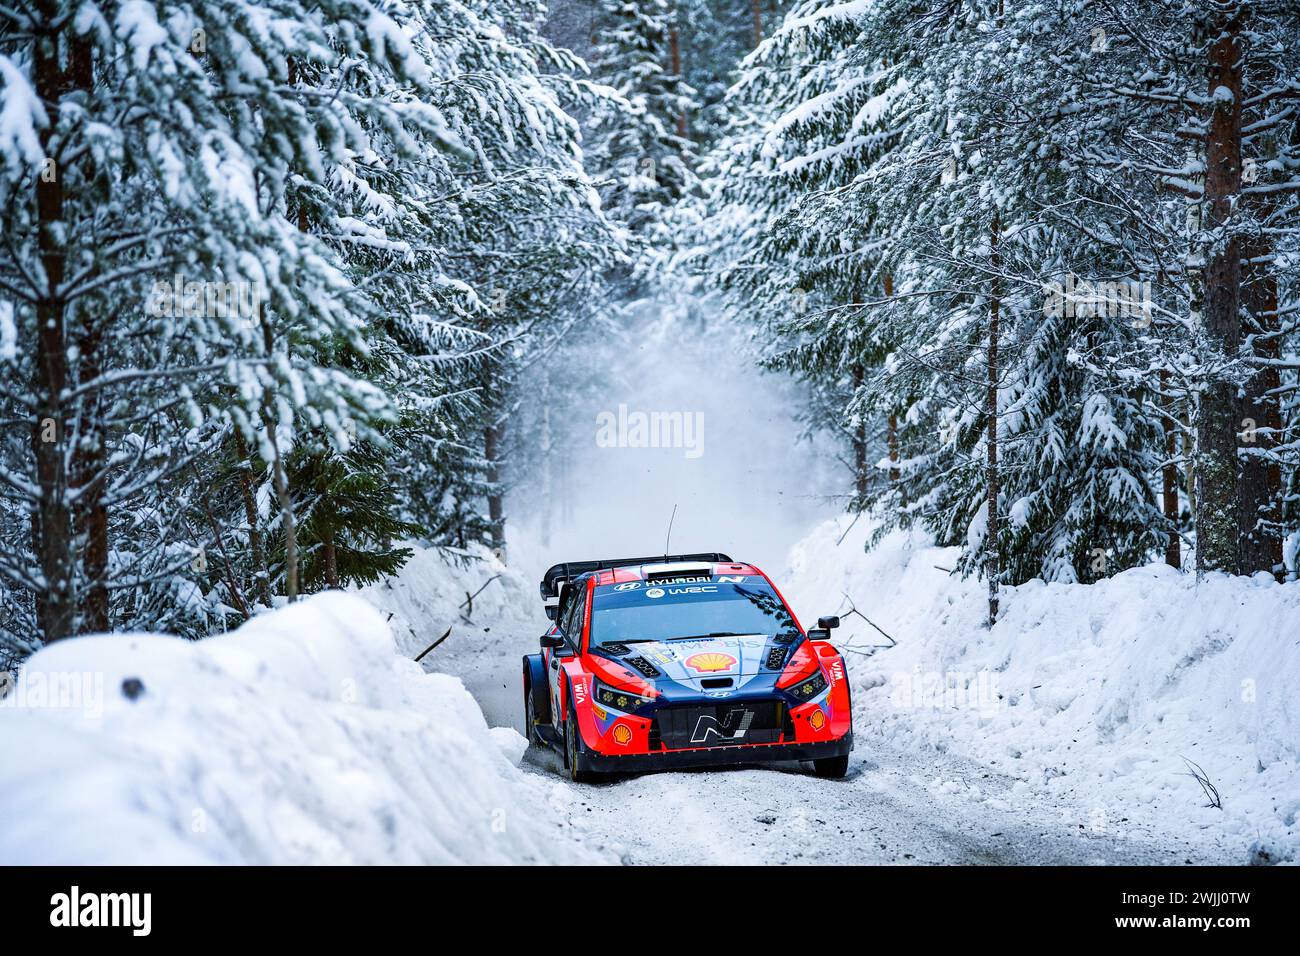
(806, 690)
(623, 700)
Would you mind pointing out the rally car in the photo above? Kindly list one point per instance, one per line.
(682, 661)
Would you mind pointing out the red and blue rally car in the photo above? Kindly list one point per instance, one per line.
(679, 661)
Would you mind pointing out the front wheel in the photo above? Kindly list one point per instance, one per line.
(530, 716)
(572, 744)
(833, 768)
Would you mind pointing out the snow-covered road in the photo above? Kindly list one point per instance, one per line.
(892, 809)
(895, 807)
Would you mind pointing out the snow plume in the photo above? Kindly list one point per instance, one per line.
(683, 418)
(1114, 694)
(302, 737)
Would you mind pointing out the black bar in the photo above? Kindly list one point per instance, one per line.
(981, 907)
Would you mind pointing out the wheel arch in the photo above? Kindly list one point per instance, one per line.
(536, 684)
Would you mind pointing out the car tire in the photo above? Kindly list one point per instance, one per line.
(530, 718)
(832, 768)
(572, 743)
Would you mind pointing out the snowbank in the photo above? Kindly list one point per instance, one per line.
(302, 737)
(490, 615)
(1102, 692)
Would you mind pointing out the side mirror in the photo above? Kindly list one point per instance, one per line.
(826, 623)
(552, 611)
(553, 641)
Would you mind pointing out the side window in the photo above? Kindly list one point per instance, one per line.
(575, 612)
(567, 600)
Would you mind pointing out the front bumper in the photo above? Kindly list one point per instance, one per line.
(713, 756)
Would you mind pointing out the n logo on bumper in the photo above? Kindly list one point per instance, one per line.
(733, 727)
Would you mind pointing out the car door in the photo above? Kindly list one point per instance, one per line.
(569, 622)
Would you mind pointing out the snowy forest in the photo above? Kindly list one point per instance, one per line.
(289, 289)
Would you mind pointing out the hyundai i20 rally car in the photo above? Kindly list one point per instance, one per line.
(682, 661)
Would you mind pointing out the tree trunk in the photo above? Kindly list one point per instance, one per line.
(1261, 475)
(756, 13)
(544, 441)
(892, 432)
(1169, 478)
(893, 446)
(1217, 521)
(88, 468)
(493, 437)
(675, 49)
(861, 477)
(283, 498)
(52, 516)
(90, 453)
(262, 572)
(493, 452)
(331, 558)
(993, 555)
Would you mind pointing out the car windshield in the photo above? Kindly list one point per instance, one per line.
(637, 611)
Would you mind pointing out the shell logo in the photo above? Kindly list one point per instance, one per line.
(710, 662)
(622, 735)
(817, 719)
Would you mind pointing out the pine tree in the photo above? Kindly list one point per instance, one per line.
(642, 157)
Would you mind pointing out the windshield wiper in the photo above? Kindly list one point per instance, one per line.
(697, 637)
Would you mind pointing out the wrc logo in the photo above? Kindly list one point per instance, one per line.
(707, 725)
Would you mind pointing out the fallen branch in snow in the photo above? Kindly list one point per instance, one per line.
(848, 529)
(1201, 777)
(469, 598)
(853, 609)
(445, 634)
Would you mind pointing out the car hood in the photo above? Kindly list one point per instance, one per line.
(692, 662)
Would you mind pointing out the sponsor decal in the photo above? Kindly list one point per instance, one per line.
(685, 579)
(730, 579)
(580, 692)
(600, 713)
(733, 727)
(622, 735)
(837, 672)
(710, 662)
(655, 593)
(817, 719)
(627, 586)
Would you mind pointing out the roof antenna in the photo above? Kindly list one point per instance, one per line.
(670, 532)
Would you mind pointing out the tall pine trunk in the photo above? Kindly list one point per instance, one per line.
(546, 449)
(280, 482)
(756, 15)
(262, 573)
(493, 452)
(52, 517)
(330, 556)
(861, 476)
(1217, 521)
(1169, 477)
(675, 53)
(88, 467)
(1261, 474)
(891, 434)
(992, 552)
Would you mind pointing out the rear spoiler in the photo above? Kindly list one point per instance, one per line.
(571, 569)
